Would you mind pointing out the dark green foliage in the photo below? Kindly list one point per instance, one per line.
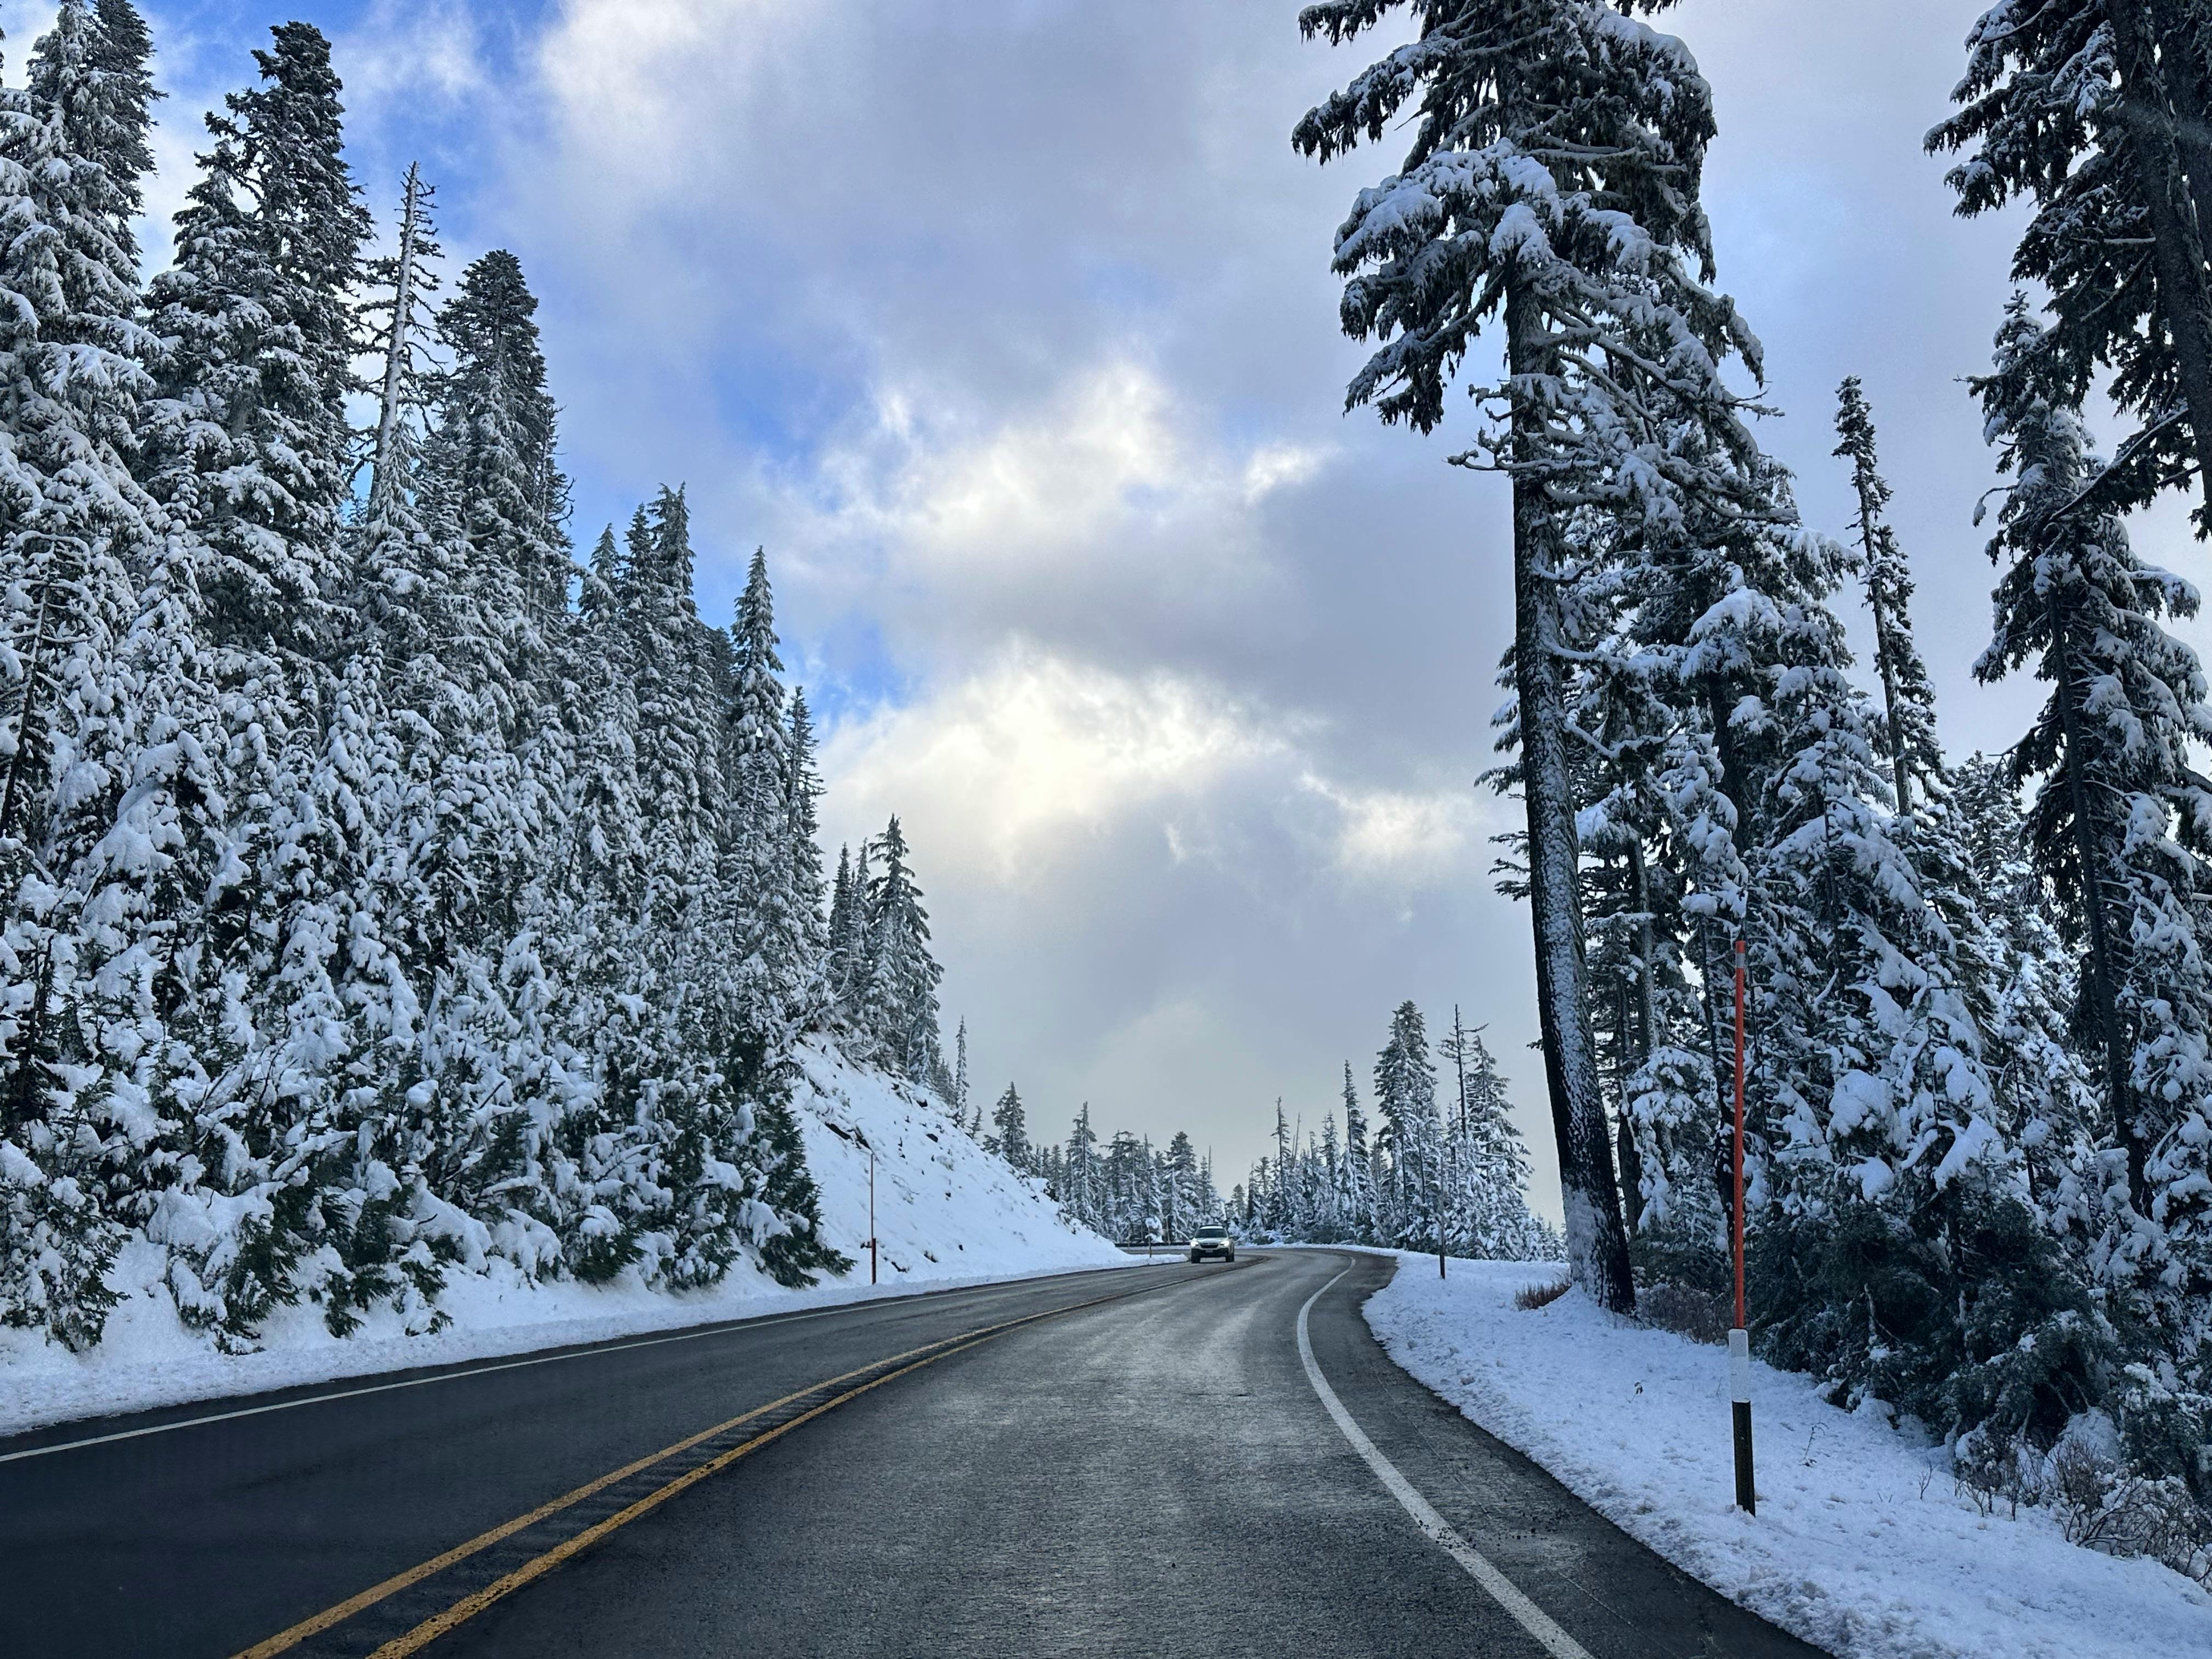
(794, 1254)
(1973, 1323)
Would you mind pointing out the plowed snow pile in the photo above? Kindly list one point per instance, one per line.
(1862, 1544)
(947, 1214)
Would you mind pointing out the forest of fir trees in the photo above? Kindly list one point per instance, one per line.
(386, 889)
(1979, 1162)
(1426, 1172)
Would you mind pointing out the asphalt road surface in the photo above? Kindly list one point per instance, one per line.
(1139, 1461)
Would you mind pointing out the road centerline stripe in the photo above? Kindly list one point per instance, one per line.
(912, 1359)
(1478, 1567)
(500, 1589)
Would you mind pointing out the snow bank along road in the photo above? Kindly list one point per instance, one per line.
(1213, 1460)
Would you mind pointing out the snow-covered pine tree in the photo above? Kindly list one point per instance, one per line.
(839, 932)
(98, 64)
(1552, 184)
(1131, 1205)
(1662, 876)
(2095, 112)
(898, 1010)
(2046, 1095)
(492, 469)
(802, 849)
(1410, 1134)
(1908, 699)
(854, 953)
(246, 447)
(76, 1005)
(1079, 1194)
(1011, 1119)
(957, 1100)
(1357, 1203)
(2117, 824)
(1179, 1214)
(1489, 1210)
(1328, 1184)
(248, 441)
(761, 866)
(1278, 1215)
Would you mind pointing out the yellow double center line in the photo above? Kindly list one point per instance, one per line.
(468, 1606)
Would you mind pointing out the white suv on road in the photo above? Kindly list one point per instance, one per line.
(1213, 1241)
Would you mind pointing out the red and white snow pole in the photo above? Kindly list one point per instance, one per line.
(1746, 1496)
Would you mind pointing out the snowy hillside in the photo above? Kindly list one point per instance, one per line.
(944, 1208)
(1863, 1544)
(947, 1212)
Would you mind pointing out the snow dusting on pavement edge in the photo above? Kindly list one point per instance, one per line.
(948, 1214)
(1861, 1546)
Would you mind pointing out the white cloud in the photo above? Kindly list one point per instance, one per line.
(1009, 767)
(1108, 487)
(1425, 834)
(407, 49)
(643, 88)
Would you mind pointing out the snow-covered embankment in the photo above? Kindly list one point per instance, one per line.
(1861, 1544)
(947, 1214)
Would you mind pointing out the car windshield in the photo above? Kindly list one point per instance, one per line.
(1213, 1232)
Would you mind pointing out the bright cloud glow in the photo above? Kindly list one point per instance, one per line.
(1033, 751)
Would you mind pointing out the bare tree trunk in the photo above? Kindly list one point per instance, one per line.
(2104, 993)
(2182, 62)
(2177, 241)
(1597, 1241)
(1645, 947)
(1885, 653)
(381, 482)
(1624, 1132)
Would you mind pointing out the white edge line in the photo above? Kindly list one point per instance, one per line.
(1530, 1617)
(456, 1375)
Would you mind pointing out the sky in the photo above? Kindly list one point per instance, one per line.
(1006, 328)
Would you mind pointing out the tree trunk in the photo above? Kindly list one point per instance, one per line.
(1885, 653)
(1624, 1130)
(2181, 60)
(1597, 1241)
(1644, 946)
(2177, 244)
(2103, 997)
(382, 485)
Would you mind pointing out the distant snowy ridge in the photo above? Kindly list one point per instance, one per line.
(1861, 1544)
(948, 1213)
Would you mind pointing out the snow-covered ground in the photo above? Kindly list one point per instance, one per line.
(1862, 1544)
(947, 1214)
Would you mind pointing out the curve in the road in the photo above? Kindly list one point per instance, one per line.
(1213, 1461)
(1502, 1591)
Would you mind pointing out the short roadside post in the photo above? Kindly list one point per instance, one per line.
(871, 1219)
(1440, 1210)
(1746, 1495)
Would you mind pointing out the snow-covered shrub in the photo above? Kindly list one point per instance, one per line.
(1973, 1326)
(1700, 1315)
(1529, 1298)
(2101, 1496)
